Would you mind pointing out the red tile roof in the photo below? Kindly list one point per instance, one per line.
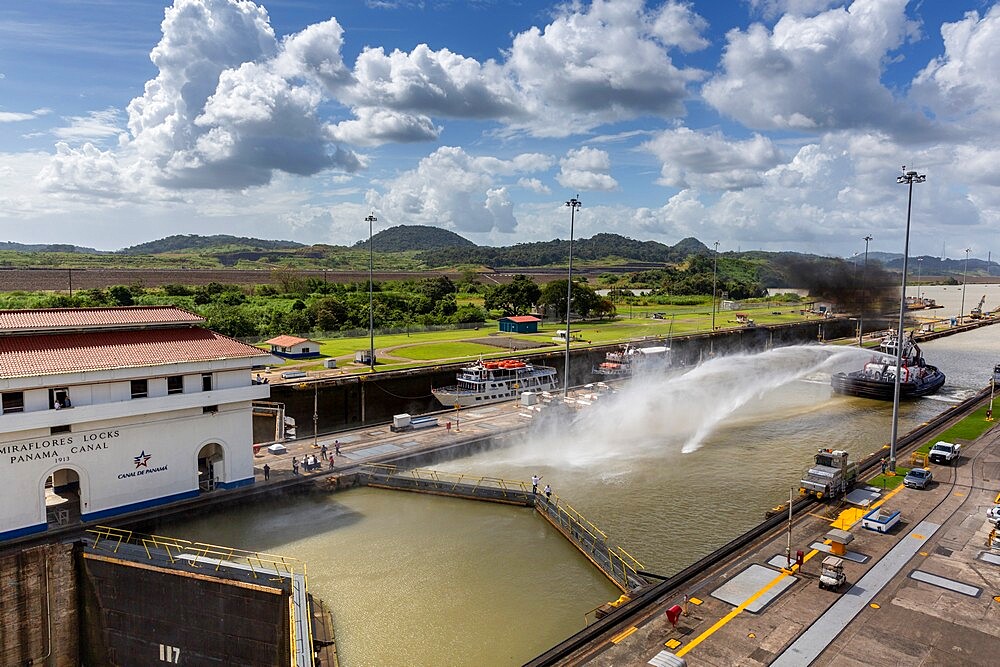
(286, 341)
(48, 319)
(30, 356)
(522, 318)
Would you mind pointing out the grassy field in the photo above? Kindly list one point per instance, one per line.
(424, 347)
(969, 428)
(431, 351)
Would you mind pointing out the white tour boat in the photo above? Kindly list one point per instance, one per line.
(495, 381)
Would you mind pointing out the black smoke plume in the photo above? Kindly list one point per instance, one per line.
(849, 287)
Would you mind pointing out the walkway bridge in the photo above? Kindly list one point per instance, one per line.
(616, 563)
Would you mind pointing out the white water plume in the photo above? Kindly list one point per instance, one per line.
(679, 411)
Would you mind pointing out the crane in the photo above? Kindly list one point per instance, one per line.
(977, 312)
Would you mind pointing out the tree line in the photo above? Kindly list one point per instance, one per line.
(294, 304)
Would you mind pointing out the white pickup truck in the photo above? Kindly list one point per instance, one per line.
(944, 453)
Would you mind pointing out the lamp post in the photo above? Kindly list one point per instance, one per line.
(909, 178)
(965, 280)
(920, 266)
(864, 293)
(715, 271)
(993, 388)
(573, 204)
(371, 219)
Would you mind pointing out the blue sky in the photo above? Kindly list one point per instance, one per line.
(763, 124)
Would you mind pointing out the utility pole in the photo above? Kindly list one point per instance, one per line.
(908, 178)
(715, 271)
(315, 414)
(371, 219)
(864, 293)
(965, 281)
(573, 204)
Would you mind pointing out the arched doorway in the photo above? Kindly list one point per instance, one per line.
(211, 466)
(62, 497)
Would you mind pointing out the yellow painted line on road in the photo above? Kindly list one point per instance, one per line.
(730, 616)
(746, 603)
(622, 635)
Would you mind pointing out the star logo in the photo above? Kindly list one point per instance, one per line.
(142, 460)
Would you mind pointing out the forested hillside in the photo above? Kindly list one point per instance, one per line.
(611, 247)
(415, 237)
(189, 242)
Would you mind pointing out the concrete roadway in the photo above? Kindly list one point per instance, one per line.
(886, 618)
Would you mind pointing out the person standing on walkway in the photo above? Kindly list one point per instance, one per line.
(267, 472)
(534, 483)
(548, 492)
(323, 450)
(295, 466)
(332, 464)
(336, 447)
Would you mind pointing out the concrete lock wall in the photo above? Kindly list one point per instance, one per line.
(349, 402)
(39, 620)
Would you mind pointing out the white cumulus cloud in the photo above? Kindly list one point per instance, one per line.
(374, 127)
(453, 189)
(960, 86)
(816, 73)
(606, 63)
(229, 107)
(586, 169)
(710, 161)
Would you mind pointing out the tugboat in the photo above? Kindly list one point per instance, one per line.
(877, 379)
(624, 361)
(486, 382)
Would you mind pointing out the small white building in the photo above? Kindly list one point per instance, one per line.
(109, 410)
(293, 347)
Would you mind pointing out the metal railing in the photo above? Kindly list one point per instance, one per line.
(616, 563)
(478, 486)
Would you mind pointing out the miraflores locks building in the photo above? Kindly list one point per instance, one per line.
(110, 410)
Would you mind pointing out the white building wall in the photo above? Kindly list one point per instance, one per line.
(155, 387)
(123, 464)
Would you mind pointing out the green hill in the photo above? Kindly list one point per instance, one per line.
(189, 242)
(612, 247)
(48, 247)
(415, 237)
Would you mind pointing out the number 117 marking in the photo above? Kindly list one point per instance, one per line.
(170, 654)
